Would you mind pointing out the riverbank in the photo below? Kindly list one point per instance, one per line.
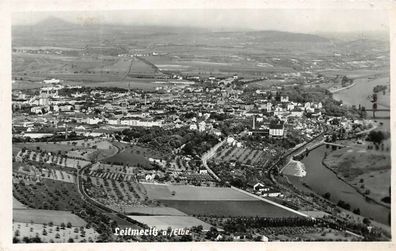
(355, 182)
(331, 207)
(322, 180)
(343, 88)
(294, 168)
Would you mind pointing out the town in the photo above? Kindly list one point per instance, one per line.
(214, 147)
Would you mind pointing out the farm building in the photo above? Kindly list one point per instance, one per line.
(258, 186)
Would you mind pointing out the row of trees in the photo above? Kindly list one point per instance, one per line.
(245, 224)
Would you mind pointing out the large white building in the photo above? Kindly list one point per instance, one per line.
(277, 129)
(143, 123)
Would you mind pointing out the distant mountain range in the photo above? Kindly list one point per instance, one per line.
(55, 30)
(54, 24)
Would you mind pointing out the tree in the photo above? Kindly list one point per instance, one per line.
(327, 196)
(376, 137)
(62, 225)
(185, 238)
(69, 225)
(36, 239)
(198, 228)
(212, 233)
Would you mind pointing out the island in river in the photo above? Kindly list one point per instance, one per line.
(365, 168)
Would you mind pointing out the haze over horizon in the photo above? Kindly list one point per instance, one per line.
(289, 20)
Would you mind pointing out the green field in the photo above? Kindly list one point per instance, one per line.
(134, 156)
(79, 149)
(49, 147)
(153, 211)
(17, 205)
(80, 67)
(49, 194)
(47, 216)
(225, 208)
(367, 170)
(185, 192)
(213, 201)
(86, 67)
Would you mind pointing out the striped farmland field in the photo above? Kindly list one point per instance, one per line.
(243, 156)
(234, 150)
(257, 157)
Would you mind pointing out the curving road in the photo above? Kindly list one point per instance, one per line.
(209, 155)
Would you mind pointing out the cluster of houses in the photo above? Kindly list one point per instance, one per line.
(266, 191)
(93, 109)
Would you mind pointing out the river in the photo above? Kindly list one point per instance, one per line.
(359, 94)
(321, 180)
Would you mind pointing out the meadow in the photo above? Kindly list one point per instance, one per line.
(48, 194)
(367, 170)
(134, 156)
(17, 205)
(169, 211)
(40, 216)
(196, 193)
(80, 67)
(226, 208)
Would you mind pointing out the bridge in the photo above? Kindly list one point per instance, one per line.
(378, 110)
(313, 145)
(334, 144)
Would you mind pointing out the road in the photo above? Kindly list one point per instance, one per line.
(209, 155)
(313, 143)
(95, 204)
(212, 152)
(270, 202)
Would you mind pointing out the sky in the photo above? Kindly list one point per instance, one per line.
(283, 19)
